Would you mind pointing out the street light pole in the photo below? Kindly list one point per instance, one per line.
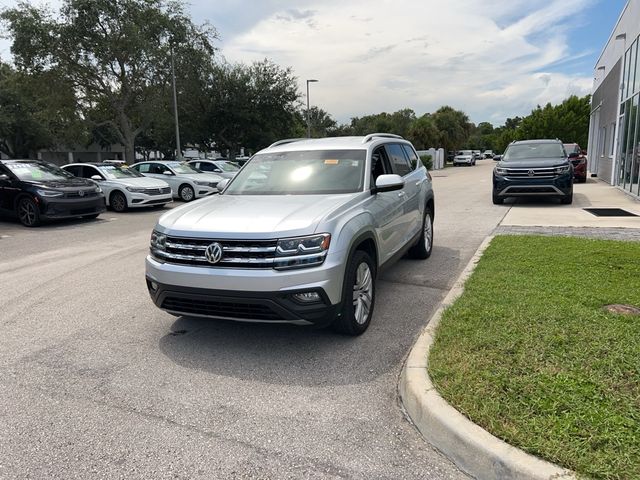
(175, 108)
(308, 119)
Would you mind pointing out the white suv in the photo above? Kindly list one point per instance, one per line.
(297, 236)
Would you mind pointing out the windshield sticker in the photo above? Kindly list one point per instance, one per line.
(331, 161)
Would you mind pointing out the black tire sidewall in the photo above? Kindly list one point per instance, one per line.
(35, 206)
(347, 322)
(182, 189)
(115, 195)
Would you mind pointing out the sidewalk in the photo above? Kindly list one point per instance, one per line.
(473, 449)
(593, 194)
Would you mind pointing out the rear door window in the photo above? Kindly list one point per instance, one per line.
(412, 155)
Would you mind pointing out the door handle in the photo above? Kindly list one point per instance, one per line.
(402, 194)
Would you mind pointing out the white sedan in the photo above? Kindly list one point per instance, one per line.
(186, 182)
(123, 188)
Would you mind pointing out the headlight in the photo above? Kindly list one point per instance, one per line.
(502, 171)
(206, 184)
(98, 189)
(135, 189)
(301, 251)
(158, 241)
(562, 169)
(49, 193)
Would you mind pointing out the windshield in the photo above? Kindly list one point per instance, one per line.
(571, 148)
(113, 172)
(178, 167)
(524, 151)
(227, 166)
(301, 173)
(465, 152)
(40, 172)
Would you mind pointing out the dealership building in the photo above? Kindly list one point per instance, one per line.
(614, 132)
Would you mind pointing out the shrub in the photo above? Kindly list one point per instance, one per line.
(427, 161)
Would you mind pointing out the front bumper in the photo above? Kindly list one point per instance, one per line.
(256, 307)
(144, 200)
(58, 208)
(462, 161)
(266, 287)
(559, 186)
(204, 191)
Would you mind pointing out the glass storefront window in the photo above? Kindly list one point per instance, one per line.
(628, 156)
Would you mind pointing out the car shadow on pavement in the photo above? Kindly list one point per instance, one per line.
(292, 355)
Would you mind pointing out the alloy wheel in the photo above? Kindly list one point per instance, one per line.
(27, 212)
(362, 293)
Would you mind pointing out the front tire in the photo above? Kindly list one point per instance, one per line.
(186, 193)
(28, 212)
(422, 249)
(567, 200)
(118, 202)
(358, 295)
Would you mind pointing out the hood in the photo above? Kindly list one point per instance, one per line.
(533, 163)
(63, 184)
(202, 177)
(144, 182)
(251, 216)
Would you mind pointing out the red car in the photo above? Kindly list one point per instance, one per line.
(578, 158)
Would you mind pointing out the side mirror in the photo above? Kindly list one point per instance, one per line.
(222, 184)
(167, 172)
(389, 183)
(573, 155)
(97, 178)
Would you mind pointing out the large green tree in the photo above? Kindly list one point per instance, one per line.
(251, 105)
(115, 52)
(424, 133)
(454, 127)
(38, 111)
(568, 121)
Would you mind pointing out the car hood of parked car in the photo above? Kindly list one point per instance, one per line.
(261, 216)
(144, 182)
(69, 183)
(202, 177)
(532, 163)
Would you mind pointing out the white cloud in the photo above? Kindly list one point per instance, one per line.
(491, 58)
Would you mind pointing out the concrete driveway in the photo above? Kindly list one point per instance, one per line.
(98, 383)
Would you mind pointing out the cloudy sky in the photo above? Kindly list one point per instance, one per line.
(491, 58)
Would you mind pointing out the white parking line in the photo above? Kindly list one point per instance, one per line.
(5, 236)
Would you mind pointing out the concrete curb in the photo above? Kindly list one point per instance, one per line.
(471, 448)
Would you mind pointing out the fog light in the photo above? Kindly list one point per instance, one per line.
(307, 297)
(153, 286)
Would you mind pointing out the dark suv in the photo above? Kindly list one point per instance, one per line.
(34, 191)
(534, 167)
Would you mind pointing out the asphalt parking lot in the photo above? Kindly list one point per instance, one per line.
(98, 383)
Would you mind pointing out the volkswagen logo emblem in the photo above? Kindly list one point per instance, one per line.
(81, 193)
(531, 173)
(213, 253)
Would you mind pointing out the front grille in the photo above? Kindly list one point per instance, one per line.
(217, 308)
(539, 172)
(85, 194)
(236, 253)
(157, 191)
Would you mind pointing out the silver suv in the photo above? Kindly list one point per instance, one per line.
(297, 236)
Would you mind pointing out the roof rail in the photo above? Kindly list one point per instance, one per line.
(285, 141)
(371, 136)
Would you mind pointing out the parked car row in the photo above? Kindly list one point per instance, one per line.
(33, 190)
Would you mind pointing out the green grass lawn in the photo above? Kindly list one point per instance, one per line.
(528, 353)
